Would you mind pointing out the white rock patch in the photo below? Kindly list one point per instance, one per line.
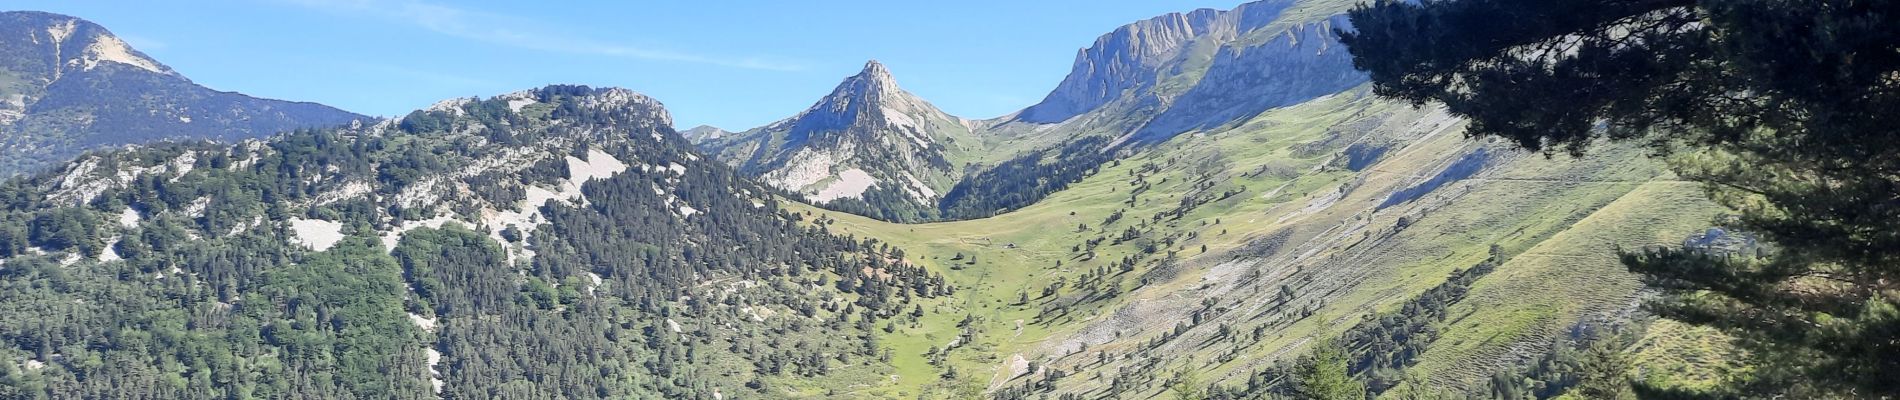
(919, 189)
(598, 165)
(59, 33)
(350, 190)
(111, 252)
(427, 324)
(516, 104)
(452, 106)
(183, 165)
(316, 234)
(435, 376)
(197, 207)
(851, 183)
(898, 118)
(109, 48)
(1018, 365)
(129, 218)
(805, 168)
(79, 181)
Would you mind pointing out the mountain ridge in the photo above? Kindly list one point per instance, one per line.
(1140, 84)
(868, 138)
(398, 259)
(68, 85)
(1198, 229)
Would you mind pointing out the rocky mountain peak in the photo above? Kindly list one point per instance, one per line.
(870, 96)
(867, 136)
(873, 84)
(73, 43)
(68, 85)
(876, 71)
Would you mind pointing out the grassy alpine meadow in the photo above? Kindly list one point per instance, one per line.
(1274, 205)
(1265, 199)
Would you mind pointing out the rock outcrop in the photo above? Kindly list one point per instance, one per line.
(868, 137)
(1180, 72)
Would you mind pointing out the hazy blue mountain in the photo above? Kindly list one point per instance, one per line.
(68, 85)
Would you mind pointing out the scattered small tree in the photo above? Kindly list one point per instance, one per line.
(1322, 375)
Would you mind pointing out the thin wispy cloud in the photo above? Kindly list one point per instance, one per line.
(517, 32)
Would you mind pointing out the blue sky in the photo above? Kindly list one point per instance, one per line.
(733, 64)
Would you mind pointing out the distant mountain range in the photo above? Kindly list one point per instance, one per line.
(68, 85)
(872, 148)
(1206, 199)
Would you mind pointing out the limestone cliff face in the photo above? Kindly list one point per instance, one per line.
(1131, 57)
(1134, 58)
(1143, 83)
(1180, 72)
(1300, 63)
(68, 85)
(867, 135)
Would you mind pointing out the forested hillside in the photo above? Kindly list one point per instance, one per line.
(1299, 199)
(556, 243)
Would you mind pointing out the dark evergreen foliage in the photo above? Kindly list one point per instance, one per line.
(1385, 344)
(1788, 107)
(622, 295)
(1023, 180)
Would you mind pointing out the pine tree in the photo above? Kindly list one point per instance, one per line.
(1603, 372)
(1322, 375)
(1784, 109)
(1186, 385)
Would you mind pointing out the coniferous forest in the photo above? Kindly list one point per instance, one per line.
(172, 286)
(1286, 199)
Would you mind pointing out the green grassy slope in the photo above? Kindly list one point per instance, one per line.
(1277, 211)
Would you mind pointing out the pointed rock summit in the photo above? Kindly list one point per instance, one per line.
(1141, 84)
(876, 71)
(868, 136)
(869, 100)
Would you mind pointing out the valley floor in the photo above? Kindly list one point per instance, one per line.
(1226, 252)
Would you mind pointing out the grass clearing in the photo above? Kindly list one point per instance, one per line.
(1298, 221)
